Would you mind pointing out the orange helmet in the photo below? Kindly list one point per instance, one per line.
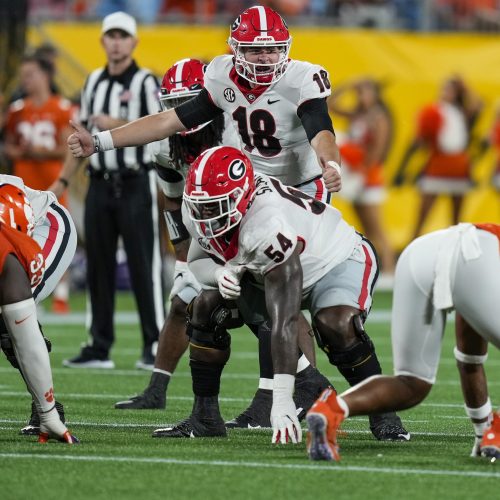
(15, 209)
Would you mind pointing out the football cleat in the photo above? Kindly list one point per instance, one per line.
(33, 427)
(388, 427)
(309, 384)
(150, 399)
(67, 438)
(257, 415)
(490, 443)
(323, 421)
(192, 427)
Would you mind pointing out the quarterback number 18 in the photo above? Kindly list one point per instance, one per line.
(262, 128)
(321, 79)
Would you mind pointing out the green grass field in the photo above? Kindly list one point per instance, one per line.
(117, 458)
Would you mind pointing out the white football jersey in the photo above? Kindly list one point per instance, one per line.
(160, 153)
(40, 200)
(272, 134)
(277, 220)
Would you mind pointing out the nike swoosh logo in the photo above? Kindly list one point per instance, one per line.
(250, 426)
(22, 320)
(272, 102)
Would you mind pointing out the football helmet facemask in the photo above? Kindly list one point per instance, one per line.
(182, 82)
(219, 189)
(15, 209)
(259, 28)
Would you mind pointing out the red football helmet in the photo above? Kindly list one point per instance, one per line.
(259, 27)
(219, 189)
(15, 209)
(183, 81)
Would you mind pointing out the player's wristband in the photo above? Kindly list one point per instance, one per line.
(103, 141)
(283, 384)
(334, 165)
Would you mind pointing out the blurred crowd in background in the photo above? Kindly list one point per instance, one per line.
(425, 15)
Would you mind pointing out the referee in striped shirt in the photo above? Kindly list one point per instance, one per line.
(121, 199)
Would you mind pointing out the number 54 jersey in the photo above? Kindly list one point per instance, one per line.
(279, 219)
(266, 117)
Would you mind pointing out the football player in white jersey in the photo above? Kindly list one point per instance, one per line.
(32, 223)
(277, 104)
(435, 274)
(279, 108)
(273, 250)
(173, 156)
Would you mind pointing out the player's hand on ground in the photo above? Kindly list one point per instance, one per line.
(229, 283)
(332, 177)
(284, 420)
(80, 142)
(51, 427)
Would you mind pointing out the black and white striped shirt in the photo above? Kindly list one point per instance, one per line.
(128, 96)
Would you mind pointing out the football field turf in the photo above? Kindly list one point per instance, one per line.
(117, 457)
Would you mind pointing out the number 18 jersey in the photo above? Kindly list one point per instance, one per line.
(266, 117)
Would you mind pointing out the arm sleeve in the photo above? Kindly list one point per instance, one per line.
(202, 266)
(198, 110)
(314, 117)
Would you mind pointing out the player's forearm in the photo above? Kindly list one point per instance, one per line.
(147, 129)
(202, 266)
(325, 147)
(284, 311)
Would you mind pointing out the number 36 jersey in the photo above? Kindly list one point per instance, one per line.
(266, 117)
(279, 219)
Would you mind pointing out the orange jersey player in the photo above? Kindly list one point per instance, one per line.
(21, 268)
(37, 127)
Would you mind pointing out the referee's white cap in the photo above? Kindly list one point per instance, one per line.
(119, 21)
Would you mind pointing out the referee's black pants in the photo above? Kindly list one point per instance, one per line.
(123, 206)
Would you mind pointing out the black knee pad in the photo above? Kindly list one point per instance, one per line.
(213, 334)
(354, 355)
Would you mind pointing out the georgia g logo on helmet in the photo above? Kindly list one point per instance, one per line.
(236, 23)
(237, 169)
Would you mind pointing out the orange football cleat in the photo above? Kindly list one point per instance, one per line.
(323, 422)
(490, 444)
(67, 437)
(60, 306)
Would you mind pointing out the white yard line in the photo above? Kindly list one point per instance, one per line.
(253, 465)
(82, 395)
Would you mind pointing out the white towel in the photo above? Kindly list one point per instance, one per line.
(462, 237)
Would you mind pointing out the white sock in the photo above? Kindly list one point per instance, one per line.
(61, 291)
(31, 352)
(343, 405)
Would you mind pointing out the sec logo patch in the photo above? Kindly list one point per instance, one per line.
(229, 95)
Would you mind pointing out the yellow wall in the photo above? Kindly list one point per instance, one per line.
(411, 65)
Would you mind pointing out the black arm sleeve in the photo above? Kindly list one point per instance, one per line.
(314, 117)
(198, 110)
